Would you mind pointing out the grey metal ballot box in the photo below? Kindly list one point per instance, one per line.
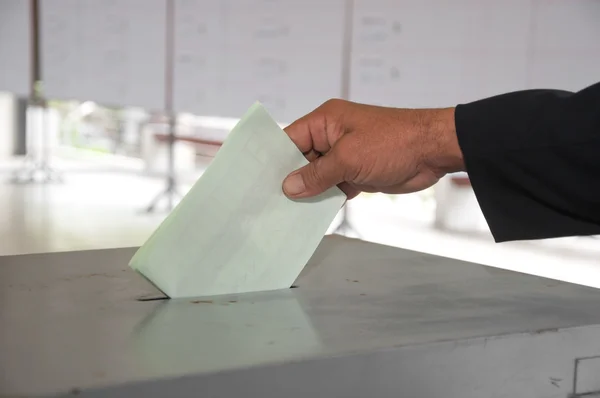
(364, 321)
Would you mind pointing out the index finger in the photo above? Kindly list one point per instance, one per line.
(299, 133)
(309, 133)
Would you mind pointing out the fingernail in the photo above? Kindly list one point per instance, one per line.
(294, 185)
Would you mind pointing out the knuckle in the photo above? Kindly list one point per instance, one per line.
(332, 103)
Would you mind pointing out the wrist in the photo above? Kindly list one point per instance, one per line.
(439, 130)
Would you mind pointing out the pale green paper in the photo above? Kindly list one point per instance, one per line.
(235, 231)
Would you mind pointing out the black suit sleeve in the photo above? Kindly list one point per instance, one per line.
(533, 158)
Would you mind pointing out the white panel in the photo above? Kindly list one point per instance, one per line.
(15, 47)
(286, 53)
(199, 56)
(565, 44)
(230, 54)
(438, 53)
(111, 52)
(498, 62)
(61, 45)
(567, 72)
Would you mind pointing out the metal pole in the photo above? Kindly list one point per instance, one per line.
(39, 160)
(344, 225)
(171, 167)
(171, 182)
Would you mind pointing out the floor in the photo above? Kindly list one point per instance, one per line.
(99, 205)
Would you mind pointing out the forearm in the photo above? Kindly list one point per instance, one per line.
(439, 132)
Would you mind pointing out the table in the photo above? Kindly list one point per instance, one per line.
(364, 321)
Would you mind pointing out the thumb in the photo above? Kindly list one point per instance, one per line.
(314, 178)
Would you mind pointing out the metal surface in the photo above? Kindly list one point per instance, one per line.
(170, 192)
(365, 320)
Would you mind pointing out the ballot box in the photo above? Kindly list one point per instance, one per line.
(362, 320)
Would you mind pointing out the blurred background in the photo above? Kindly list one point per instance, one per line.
(111, 109)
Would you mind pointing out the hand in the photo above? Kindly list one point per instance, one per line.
(364, 148)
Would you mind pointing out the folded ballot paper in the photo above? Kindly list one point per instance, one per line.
(235, 231)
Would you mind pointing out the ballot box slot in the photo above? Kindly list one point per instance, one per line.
(152, 298)
(157, 297)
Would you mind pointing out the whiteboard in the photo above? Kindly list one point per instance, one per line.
(280, 52)
(565, 44)
(15, 47)
(411, 53)
(285, 53)
(199, 59)
(111, 51)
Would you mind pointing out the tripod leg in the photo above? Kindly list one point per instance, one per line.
(170, 194)
(171, 184)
